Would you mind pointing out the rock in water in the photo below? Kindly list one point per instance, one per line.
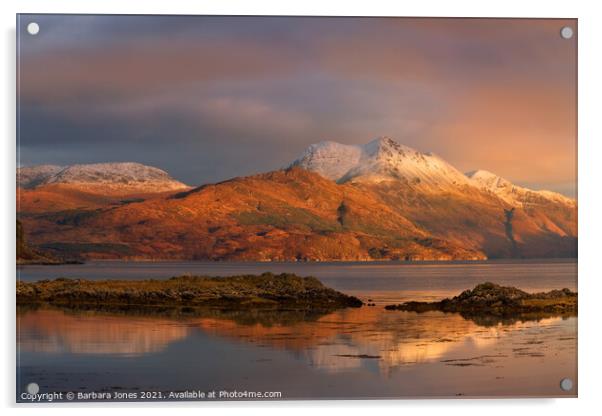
(492, 299)
(249, 291)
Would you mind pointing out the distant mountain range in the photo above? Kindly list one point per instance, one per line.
(377, 201)
(121, 178)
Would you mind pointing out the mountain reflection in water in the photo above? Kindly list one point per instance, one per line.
(338, 341)
(55, 331)
(352, 353)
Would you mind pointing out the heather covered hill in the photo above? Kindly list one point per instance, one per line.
(290, 214)
(58, 197)
(68, 198)
(480, 220)
(50, 188)
(376, 201)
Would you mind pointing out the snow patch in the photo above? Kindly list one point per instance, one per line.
(514, 194)
(32, 176)
(380, 160)
(126, 175)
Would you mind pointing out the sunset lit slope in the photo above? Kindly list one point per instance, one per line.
(281, 215)
(49, 188)
(378, 201)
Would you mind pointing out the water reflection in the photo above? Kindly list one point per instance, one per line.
(353, 353)
(55, 331)
(369, 338)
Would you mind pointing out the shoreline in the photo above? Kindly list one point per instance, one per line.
(313, 262)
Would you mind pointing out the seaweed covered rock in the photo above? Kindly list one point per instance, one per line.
(493, 299)
(266, 290)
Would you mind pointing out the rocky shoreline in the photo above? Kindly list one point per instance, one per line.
(286, 291)
(492, 299)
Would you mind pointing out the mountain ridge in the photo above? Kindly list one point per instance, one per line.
(369, 208)
(383, 159)
(116, 177)
(380, 160)
(511, 193)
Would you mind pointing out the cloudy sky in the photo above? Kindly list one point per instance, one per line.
(209, 98)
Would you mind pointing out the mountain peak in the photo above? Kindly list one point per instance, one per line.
(125, 176)
(385, 145)
(382, 141)
(382, 159)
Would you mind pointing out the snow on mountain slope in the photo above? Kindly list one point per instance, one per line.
(32, 176)
(330, 159)
(127, 176)
(514, 194)
(380, 160)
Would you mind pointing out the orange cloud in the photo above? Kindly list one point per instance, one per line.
(525, 134)
(496, 94)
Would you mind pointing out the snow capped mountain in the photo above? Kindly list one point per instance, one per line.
(127, 176)
(513, 194)
(376, 201)
(32, 176)
(384, 159)
(380, 160)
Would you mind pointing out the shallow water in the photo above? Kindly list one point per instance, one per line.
(353, 353)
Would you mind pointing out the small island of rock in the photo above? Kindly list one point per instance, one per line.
(492, 299)
(286, 291)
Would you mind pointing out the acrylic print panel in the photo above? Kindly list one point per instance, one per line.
(273, 208)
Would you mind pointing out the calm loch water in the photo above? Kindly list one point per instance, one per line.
(354, 353)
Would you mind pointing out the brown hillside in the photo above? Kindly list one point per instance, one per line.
(281, 215)
(295, 214)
